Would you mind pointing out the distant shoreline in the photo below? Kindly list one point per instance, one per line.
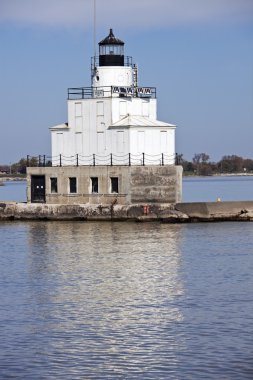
(219, 175)
(6, 178)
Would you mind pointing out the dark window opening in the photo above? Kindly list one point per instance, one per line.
(54, 186)
(94, 184)
(72, 184)
(114, 185)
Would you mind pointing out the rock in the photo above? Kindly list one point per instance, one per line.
(173, 216)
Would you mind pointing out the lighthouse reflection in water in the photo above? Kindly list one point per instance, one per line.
(86, 300)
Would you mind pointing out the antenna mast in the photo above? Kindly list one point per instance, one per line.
(94, 30)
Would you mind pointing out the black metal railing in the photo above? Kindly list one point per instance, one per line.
(129, 159)
(128, 61)
(76, 93)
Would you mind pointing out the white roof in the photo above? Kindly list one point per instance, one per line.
(139, 121)
(60, 126)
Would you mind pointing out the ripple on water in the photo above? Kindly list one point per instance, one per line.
(125, 301)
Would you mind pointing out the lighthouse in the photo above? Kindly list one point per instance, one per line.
(111, 69)
(112, 143)
(114, 116)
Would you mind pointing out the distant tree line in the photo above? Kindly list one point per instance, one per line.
(201, 164)
(20, 166)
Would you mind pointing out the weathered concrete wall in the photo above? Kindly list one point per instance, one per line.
(166, 213)
(156, 185)
(214, 211)
(137, 184)
(83, 175)
(34, 211)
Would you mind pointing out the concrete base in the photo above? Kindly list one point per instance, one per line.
(178, 213)
(136, 184)
(42, 211)
(217, 211)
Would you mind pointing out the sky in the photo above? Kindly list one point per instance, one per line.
(197, 53)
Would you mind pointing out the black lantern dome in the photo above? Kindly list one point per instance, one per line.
(111, 51)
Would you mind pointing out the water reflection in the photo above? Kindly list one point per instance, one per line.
(125, 301)
(105, 294)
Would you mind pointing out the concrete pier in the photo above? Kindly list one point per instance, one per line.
(170, 213)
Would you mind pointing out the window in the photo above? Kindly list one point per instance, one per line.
(120, 141)
(79, 142)
(59, 143)
(94, 184)
(54, 187)
(114, 185)
(100, 108)
(141, 141)
(78, 109)
(145, 108)
(122, 108)
(100, 142)
(72, 184)
(163, 142)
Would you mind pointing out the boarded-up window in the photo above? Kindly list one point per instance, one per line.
(79, 124)
(141, 141)
(59, 143)
(120, 141)
(163, 141)
(100, 124)
(100, 108)
(100, 142)
(79, 143)
(145, 108)
(78, 109)
(122, 109)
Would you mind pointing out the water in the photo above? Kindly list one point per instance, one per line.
(208, 189)
(195, 189)
(98, 301)
(13, 191)
(82, 300)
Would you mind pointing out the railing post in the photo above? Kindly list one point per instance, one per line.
(111, 159)
(44, 160)
(39, 161)
(60, 159)
(162, 160)
(77, 161)
(143, 159)
(27, 160)
(129, 159)
(176, 159)
(94, 160)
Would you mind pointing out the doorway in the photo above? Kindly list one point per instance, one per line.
(38, 190)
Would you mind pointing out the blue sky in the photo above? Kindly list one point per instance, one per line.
(198, 53)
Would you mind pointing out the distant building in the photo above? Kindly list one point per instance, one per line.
(112, 145)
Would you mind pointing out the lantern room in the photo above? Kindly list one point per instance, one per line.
(111, 51)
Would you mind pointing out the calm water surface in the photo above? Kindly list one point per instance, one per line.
(13, 191)
(208, 189)
(126, 301)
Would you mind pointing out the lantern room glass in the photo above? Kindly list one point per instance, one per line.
(111, 50)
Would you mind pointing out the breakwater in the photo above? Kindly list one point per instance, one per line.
(171, 213)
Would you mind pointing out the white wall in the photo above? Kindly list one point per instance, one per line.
(88, 133)
(113, 76)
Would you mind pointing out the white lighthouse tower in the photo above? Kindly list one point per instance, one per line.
(112, 149)
(114, 118)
